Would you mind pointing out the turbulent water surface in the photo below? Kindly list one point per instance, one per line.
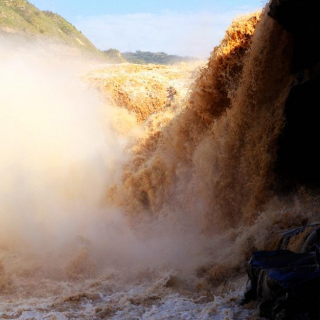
(139, 192)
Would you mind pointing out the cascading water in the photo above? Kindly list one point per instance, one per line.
(112, 212)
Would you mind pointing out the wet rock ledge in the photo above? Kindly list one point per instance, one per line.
(286, 284)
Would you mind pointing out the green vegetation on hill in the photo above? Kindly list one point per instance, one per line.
(114, 56)
(20, 16)
(145, 57)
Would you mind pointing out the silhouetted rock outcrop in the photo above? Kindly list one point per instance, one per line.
(301, 18)
(286, 284)
(298, 160)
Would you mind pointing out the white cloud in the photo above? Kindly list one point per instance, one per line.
(193, 34)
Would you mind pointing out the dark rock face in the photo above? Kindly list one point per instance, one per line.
(287, 284)
(298, 158)
(301, 18)
(298, 155)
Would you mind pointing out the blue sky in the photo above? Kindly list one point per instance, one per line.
(185, 27)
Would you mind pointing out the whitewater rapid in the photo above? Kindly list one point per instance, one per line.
(120, 295)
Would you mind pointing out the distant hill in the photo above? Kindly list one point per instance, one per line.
(145, 57)
(114, 56)
(20, 16)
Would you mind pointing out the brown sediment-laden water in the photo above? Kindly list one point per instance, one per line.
(139, 192)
